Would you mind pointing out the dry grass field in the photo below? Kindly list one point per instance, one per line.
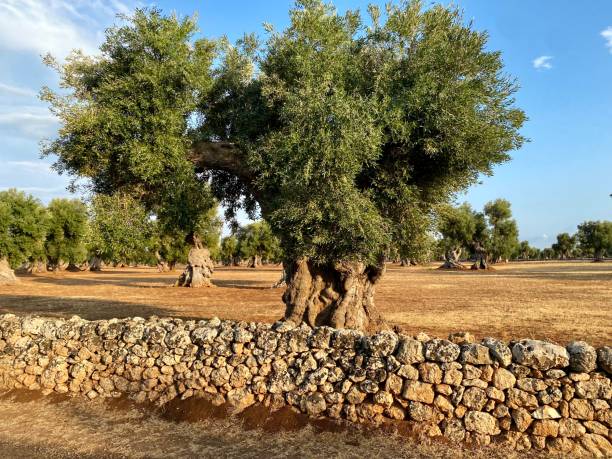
(555, 301)
(558, 301)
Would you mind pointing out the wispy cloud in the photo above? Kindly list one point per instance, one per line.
(542, 63)
(16, 91)
(31, 122)
(31, 166)
(607, 34)
(57, 26)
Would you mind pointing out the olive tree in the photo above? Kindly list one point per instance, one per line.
(22, 232)
(595, 237)
(565, 245)
(457, 226)
(503, 239)
(333, 129)
(67, 230)
(121, 230)
(257, 244)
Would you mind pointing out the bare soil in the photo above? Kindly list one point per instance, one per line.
(554, 301)
(557, 301)
(58, 427)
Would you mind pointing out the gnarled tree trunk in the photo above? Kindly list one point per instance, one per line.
(255, 261)
(451, 259)
(96, 264)
(340, 295)
(7, 275)
(481, 257)
(199, 269)
(162, 265)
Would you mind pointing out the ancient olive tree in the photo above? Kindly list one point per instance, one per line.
(121, 230)
(22, 232)
(332, 129)
(595, 238)
(257, 244)
(457, 226)
(503, 230)
(565, 245)
(67, 230)
(229, 254)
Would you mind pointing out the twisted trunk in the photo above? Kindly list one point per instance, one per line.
(451, 259)
(96, 264)
(200, 267)
(340, 295)
(481, 257)
(7, 275)
(255, 261)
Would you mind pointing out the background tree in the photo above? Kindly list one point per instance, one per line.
(257, 244)
(66, 233)
(125, 117)
(230, 255)
(334, 129)
(22, 232)
(121, 230)
(503, 239)
(415, 242)
(595, 237)
(457, 226)
(565, 245)
(524, 251)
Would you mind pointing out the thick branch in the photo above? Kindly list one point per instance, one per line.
(223, 156)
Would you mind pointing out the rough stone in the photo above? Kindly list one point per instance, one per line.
(540, 354)
(484, 423)
(503, 379)
(410, 351)
(475, 354)
(441, 350)
(604, 358)
(583, 357)
(418, 392)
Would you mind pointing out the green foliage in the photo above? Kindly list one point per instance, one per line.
(457, 225)
(23, 222)
(503, 239)
(343, 132)
(67, 231)
(127, 111)
(229, 253)
(121, 229)
(524, 251)
(257, 241)
(565, 246)
(595, 237)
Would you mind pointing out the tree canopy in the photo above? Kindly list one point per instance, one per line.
(337, 129)
(595, 237)
(23, 221)
(66, 232)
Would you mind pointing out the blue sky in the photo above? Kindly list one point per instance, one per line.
(559, 50)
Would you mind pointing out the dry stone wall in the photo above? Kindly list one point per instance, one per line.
(526, 394)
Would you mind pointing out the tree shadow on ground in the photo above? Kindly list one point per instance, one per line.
(87, 308)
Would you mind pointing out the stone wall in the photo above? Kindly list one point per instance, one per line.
(526, 394)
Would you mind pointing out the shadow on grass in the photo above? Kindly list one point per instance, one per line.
(87, 308)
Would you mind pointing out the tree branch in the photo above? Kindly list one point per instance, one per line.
(223, 156)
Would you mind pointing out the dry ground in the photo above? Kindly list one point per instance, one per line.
(558, 301)
(53, 427)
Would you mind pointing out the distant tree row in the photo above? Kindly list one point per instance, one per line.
(593, 239)
(252, 244)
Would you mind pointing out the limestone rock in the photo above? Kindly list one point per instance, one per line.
(461, 338)
(604, 358)
(475, 354)
(418, 392)
(545, 412)
(499, 351)
(522, 419)
(441, 350)
(382, 344)
(313, 404)
(583, 358)
(480, 422)
(410, 351)
(240, 399)
(540, 354)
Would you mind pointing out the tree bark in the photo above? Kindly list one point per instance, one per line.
(282, 282)
(199, 269)
(481, 257)
(96, 264)
(340, 295)
(7, 275)
(451, 259)
(73, 268)
(255, 261)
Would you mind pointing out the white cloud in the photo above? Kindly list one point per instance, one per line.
(15, 91)
(55, 26)
(31, 166)
(31, 122)
(607, 34)
(542, 62)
